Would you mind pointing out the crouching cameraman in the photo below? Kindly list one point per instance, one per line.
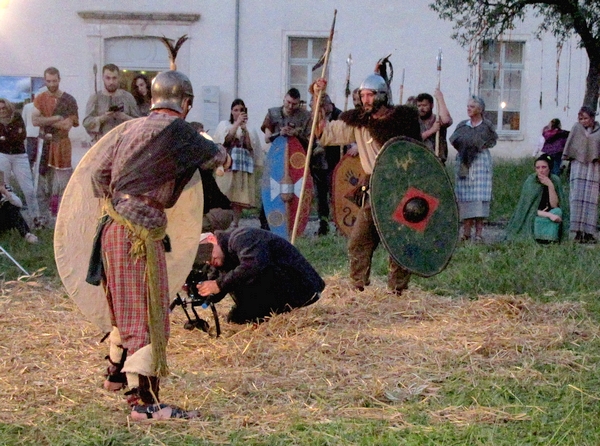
(262, 272)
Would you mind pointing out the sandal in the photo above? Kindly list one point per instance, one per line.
(161, 412)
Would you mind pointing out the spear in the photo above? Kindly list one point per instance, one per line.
(95, 78)
(401, 92)
(437, 104)
(347, 91)
(312, 132)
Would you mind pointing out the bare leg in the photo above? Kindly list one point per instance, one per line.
(478, 228)
(237, 213)
(467, 225)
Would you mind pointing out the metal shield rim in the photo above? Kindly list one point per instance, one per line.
(375, 215)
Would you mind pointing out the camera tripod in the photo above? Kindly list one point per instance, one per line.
(3, 251)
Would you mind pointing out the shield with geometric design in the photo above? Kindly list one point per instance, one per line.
(281, 185)
(414, 207)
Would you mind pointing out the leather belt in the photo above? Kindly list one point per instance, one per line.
(118, 196)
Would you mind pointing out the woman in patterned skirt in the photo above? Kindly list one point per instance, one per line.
(582, 149)
(472, 139)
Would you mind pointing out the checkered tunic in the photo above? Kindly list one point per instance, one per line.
(583, 199)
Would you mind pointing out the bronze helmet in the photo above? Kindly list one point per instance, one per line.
(169, 89)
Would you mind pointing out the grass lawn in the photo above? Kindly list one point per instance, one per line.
(501, 348)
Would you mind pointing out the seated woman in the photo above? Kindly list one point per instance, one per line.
(10, 213)
(538, 215)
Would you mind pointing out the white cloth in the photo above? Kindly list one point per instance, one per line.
(32, 131)
(12, 198)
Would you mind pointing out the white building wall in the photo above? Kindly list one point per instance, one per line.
(35, 34)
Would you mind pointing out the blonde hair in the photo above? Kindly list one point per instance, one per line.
(9, 105)
(11, 110)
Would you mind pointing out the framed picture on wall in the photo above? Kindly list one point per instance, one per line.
(18, 89)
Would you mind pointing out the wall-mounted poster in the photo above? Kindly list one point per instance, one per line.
(18, 89)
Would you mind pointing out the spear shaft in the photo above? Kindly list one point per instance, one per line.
(312, 135)
(401, 92)
(437, 104)
(95, 78)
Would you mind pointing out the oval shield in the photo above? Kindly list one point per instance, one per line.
(414, 207)
(76, 226)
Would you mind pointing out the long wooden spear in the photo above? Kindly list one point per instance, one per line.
(312, 133)
(401, 92)
(437, 104)
(95, 68)
(347, 92)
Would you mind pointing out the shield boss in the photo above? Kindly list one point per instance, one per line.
(413, 206)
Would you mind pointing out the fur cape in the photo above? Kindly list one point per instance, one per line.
(401, 120)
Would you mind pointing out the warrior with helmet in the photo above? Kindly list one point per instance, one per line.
(143, 167)
(370, 126)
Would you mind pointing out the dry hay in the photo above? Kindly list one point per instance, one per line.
(351, 355)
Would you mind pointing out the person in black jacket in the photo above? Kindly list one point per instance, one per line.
(263, 273)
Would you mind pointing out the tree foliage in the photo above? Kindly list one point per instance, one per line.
(478, 20)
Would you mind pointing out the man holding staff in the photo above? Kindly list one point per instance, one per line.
(431, 123)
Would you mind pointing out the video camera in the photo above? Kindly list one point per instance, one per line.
(198, 274)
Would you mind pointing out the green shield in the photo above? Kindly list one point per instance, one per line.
(414, 207)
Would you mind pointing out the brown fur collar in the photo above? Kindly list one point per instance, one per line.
(402, 120)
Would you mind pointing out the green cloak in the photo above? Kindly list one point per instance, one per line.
(521, 223)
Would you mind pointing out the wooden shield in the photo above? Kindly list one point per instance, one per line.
(414, 207)
(281, 184)
(76, 226)
(347, 179)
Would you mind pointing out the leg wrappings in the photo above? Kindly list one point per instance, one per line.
(145, 392)
(116, 356)
(138, 368)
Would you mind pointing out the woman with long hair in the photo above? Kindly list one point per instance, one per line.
(140, 89)
(13, 157)
(542, 212)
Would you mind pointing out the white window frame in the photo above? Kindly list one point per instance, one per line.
(286, 58)
(501, 68)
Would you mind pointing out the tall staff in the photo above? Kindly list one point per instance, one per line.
(401, 92)
(437, 103)
(347, 92)
(95, 78)
(313, 129)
